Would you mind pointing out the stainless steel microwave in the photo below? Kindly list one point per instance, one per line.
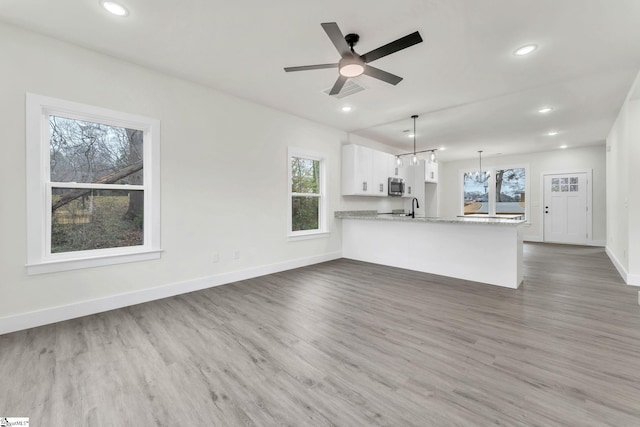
(396, 186)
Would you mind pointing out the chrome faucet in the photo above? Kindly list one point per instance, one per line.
(413, 209)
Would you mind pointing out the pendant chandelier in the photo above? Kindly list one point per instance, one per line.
(414, 155)
(478, 176)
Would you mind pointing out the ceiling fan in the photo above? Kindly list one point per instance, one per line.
(352, 64)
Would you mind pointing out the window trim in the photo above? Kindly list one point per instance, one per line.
(492, 188)
(321, 231)
(39, 257)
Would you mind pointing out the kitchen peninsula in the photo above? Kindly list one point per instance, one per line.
(486, 250)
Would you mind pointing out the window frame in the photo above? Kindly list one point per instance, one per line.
(491, 189)
(40, 260)
(321, 231)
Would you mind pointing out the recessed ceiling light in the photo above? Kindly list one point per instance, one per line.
(563, 146)
(442, 148)
(347, 108)
(525, 50)
(552, 133)
(410, 135)
(115, 8)
(545, 110)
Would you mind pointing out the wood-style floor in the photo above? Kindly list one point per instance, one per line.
(346, 343)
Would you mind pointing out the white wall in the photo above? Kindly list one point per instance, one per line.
(551, 161)
(223, 176)
(623, 191)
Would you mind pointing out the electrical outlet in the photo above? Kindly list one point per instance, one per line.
(215, 257)
(236, 255)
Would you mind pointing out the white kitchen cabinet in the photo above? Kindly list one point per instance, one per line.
(408, 173)
(431, 172)
(365, 172)
(395, 170)
(413, 179)
(381, 172)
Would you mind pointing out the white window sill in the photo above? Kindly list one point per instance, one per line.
(96, 261)
(307, 236)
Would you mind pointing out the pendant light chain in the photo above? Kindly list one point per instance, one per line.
(414, 155)
(414, 158)
(479, 176)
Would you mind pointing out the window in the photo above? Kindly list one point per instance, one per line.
(510, 191)
(476, 195)
(93, 186)
(306, 194)
(503, 193)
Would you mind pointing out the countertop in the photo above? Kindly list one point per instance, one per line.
(374, 215)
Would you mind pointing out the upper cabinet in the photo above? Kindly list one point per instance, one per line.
(413, 178)
(431, 172)
(365, 172)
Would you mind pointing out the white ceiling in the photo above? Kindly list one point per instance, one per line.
(463, 81)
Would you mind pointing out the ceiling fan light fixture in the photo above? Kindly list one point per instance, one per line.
(352, 64)
(351, 67)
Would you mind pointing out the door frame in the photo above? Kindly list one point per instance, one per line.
(589, 172)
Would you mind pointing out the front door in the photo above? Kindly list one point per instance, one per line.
(565, 208)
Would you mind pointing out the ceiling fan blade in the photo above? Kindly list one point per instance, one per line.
(336, 37)
(311, 67)
(389, 48)
(382, 75)
(337, 87)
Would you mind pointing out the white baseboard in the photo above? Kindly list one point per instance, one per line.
(539, 239)
(617, 264)
(633, 279)
(57, 314)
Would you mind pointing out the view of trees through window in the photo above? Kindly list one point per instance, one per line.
(510, 185)
(305, 194)
(510, 191)
(90, 164)
(476, 196)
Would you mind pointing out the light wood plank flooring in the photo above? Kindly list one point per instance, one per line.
(346, 343)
